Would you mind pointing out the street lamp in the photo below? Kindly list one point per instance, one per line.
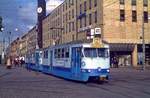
(16, 29)
(3, 47)
(2, 29)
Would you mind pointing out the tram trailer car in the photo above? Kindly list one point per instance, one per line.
(79, 62)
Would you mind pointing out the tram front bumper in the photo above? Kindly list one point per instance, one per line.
(96, 72)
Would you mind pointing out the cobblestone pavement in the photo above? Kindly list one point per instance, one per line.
(124, 83)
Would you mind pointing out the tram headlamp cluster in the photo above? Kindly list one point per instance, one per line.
(99, 69)
(89, 70)
(108, 70)
(83, 64)
(86, 70)
(83, 70)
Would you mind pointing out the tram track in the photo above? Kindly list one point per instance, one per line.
(117, 89)
(5, 74)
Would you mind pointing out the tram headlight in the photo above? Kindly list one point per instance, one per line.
(86, 70)
(83, 70)
(89, 70)
(108, 70)
(99, 69)
(83, 64)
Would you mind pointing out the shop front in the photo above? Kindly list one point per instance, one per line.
(121, 55)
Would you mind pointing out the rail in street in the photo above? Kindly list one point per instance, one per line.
(124, 83)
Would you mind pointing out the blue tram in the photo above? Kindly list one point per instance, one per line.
(79, 61)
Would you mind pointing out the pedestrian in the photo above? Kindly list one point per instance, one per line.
(8, 65)
(116, 62)
(21, 62)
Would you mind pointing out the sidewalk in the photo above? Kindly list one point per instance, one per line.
(139, 67)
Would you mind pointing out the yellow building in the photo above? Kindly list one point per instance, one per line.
(52, 28)
(31, 40)
(120, 22)
(23, 45)
(13, 51)
(60, 25)
(69, 21)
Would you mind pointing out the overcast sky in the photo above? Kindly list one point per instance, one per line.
(21, 14)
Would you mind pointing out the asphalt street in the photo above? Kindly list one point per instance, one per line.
(124, 83)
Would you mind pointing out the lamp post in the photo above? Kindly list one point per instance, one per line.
(3, 47)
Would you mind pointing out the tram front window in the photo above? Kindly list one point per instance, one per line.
(102, 52)
(90, 52)
(94, 52)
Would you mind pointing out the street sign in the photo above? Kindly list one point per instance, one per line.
(92, 32)
(97, 30)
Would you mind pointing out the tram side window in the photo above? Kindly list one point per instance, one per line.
(40, 55)
(56, 52)
(62, 53)
(46, 54)
(59, 53)
(67, 53)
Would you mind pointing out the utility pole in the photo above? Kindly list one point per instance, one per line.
(9, 37)
(1, 24)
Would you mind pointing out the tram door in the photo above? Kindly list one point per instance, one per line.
(37, 58)
(51, 58)
(76, 60)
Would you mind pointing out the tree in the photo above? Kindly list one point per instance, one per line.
(1, 23)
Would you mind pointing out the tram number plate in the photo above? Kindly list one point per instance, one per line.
(103, 76)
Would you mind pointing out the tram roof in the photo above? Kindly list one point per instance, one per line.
(80, 42)
(86, 41)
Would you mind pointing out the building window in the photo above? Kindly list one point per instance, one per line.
(70, 27)
(145, 17)
(72, 2)
(134, 16)
(63, 7)
(63, 18)
(85, 6)
(66, 28)
(95, 16)
(95, 3)
(69, 3)
(69, 15)
(85, 21)
(81, 23)
(145, 3)
(66, 5)
(122, 15)
(133, 2)
(90, 19)
(66, 17)
(72, 13)
(122, 2)
(73, 26)
(80, 8)
(90, 4)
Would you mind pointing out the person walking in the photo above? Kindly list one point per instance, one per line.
(8, 65)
